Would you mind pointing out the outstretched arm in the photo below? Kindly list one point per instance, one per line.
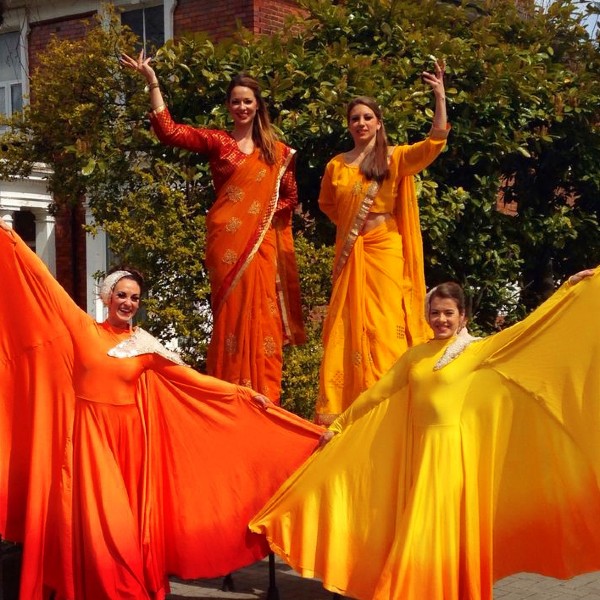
(29, 283)
(142, 66)
(436, 81)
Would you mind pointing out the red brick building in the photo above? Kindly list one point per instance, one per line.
(27, 27)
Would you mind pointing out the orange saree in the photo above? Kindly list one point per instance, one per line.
(250, 258)
(375, 313)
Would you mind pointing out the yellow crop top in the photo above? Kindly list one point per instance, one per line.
(340, 178)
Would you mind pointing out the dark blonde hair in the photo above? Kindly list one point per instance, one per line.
(374, 165)
(263, 134)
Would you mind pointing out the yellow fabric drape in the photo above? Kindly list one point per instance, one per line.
(440, 482)
(375, 312)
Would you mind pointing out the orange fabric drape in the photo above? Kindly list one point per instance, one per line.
(247, 257)
(111, 468)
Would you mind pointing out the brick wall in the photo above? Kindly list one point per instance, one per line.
(41, 33)
(271, 15)
(219, 19)
(71, 252)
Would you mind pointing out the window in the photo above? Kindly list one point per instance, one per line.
(148, 24)
(11, 86)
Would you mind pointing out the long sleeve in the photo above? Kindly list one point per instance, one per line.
(186, 377)
(418, 156)
(392, 382)
(34, 279)
(288, 189)
(188, 137)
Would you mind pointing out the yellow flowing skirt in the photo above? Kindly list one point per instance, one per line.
(443, 481)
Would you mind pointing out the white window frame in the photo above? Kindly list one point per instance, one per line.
(7, 109)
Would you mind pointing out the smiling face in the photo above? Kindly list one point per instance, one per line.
(445, 318)
(363, 124)
(242, 105)
(124, 302)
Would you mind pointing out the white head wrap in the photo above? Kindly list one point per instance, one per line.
(108, 285)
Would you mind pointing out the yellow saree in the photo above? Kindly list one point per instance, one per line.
(375, 312)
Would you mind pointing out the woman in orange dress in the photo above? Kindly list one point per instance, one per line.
(374, 313)
(250, 257)
(119, 465)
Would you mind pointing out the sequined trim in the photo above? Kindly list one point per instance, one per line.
(141, 342)
(463, 340)
(359, 221)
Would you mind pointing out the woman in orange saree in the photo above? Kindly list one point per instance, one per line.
(374, 314)
(255, 296)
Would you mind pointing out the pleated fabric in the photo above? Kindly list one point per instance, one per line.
(116, 473)
(365, 330)
(376, 307)
(441, 481)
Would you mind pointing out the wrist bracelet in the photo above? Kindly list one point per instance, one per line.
(151, 86)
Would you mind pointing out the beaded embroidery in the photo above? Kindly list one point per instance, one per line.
(142, 342)
(463, 340)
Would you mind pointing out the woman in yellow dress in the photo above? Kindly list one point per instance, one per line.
(375, 311)
(468, 461)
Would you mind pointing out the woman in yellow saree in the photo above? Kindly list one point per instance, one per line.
(250, 258)
(374, 314)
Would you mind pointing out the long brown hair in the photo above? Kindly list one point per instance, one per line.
(374, 165)
(263, 134)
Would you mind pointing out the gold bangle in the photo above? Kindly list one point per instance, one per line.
(151, 86)
(159, 109)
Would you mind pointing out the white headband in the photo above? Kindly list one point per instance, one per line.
(108, 285)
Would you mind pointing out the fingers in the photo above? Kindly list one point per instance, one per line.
(263, 401)
(325, 438)
(577, 277)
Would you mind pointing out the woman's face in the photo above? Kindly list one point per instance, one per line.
(242, 105)
(363, 124)
(444, 318)
(124, 302)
